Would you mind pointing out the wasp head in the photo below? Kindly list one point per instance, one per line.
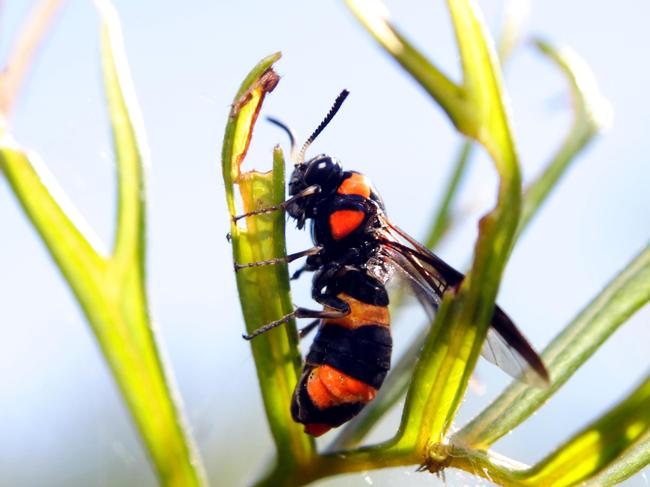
(323, 175)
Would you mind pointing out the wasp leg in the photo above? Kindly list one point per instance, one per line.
(306, 330)
(299, 313)
(308, 191)
(335, 307)
(298, 272)
(280, 260)
(313, 263)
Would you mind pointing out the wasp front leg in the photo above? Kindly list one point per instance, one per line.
(309, 191)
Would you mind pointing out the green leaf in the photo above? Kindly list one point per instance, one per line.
(455, 340)
(514, 14)
(111, 289)
(264, 290)
(66, 235)
(397, 382)
(597, 445)
(622, 297)
(591, 115)
(630, 463)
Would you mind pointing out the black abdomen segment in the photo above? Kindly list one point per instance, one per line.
(363, 354)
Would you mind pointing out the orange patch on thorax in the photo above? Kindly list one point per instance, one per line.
(361, 314)
(356, 184)
(344, 222)
(328, 387)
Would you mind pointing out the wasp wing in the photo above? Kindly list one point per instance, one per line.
(429, 277)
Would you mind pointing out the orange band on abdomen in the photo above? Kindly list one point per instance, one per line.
(361, 314)
(328, 387)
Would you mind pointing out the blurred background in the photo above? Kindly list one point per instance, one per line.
(62, 421)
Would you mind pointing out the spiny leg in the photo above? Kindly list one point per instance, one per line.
(298, 313)
(308, 191)
(279, 260)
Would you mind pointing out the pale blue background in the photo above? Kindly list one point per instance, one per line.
(61, 419)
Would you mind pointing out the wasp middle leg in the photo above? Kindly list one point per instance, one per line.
(280, 260)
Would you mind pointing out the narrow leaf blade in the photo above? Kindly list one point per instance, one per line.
(372, 15)
(597, 445)
(126, 334)
(264, 291)
(455, 341)
(620, 299)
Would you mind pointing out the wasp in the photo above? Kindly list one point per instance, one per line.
(357, 251)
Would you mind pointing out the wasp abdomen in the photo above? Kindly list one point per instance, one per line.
(346, 365)
(362, 353)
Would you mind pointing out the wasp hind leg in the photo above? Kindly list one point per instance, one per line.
(301, 313)
(335, 307)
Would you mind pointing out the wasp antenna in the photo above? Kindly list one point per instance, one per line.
(292, 137)
(328, 118)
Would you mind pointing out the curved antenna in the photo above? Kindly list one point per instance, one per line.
(292, 137)
(328, 118)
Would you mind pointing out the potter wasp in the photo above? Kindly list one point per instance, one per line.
(357, 251)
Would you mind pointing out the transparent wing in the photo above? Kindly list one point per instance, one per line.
(429, 277)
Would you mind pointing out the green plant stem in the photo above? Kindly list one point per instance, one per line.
(622, 297)
(437, 84)
(111, 290)
(635, 459)
(455, 340)
(476, 108)
(264, 291)
(598, 444)
(397, 382)
(514, 13)
(591, 116)
(487, 464)
(358, 460)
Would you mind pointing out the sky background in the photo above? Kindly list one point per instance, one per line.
(62, 421)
